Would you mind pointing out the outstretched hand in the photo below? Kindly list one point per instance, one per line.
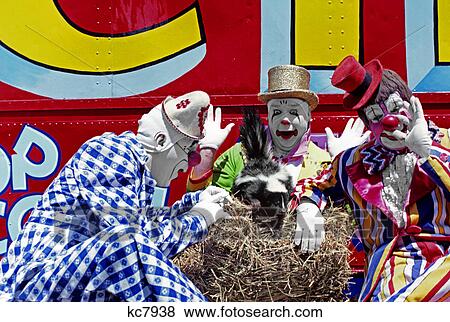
(214, 135)
(352, 136)
(418, 139)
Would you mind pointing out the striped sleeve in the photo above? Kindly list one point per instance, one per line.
(437, 167)
(199, 183)
(225, 170)
(316, 188)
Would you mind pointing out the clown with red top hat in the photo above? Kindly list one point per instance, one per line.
(397, 184)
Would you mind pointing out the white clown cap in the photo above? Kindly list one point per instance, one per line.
(175, 118)
(187, 113)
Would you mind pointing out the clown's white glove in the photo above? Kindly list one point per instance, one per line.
(310, 230)
(213, 194)
(211, 211)
(418, 139)
(351, 137)
(214, 135)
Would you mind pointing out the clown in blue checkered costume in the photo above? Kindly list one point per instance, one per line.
(97, 235)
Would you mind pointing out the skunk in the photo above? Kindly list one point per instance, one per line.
(263, 183)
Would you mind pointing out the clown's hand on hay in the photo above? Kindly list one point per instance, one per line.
(397, 184)
(100, 231)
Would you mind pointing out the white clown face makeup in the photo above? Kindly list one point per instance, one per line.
(389, 116)
(288, 122)
(169, 150)
(171, 162)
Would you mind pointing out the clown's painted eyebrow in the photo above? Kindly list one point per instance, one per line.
(394, 102)
(373, 111)
(279, 103)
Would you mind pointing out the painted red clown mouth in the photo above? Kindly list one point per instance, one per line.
(393, 138)
(286, 135)
(390, 137)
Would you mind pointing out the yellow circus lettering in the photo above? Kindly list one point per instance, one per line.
(443, 34)
(38, 32)
(325, 31)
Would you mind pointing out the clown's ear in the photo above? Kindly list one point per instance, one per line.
(160, 139)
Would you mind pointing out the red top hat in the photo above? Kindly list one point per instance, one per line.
(359, 82)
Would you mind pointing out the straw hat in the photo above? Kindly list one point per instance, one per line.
(359, 82)
(289, 81)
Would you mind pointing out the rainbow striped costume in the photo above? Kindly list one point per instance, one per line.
(409, 262)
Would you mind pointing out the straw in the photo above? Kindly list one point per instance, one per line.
(243, 259)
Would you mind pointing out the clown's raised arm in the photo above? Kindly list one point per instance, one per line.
(169, 134)
(214, 136)
(434, 158)
(397, 186)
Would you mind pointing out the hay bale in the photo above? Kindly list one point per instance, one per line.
(242, 260)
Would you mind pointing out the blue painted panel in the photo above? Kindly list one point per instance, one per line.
(423, 75)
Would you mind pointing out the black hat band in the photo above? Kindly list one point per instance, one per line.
(362, 88)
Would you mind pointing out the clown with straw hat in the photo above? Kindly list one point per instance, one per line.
(290, 102)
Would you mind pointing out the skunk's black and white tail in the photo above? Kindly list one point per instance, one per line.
(253, 137)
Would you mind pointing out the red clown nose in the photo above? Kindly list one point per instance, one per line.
(194, 158)
(390, 123)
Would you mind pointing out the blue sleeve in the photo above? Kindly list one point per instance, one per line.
(173, 235)
(111, 185)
